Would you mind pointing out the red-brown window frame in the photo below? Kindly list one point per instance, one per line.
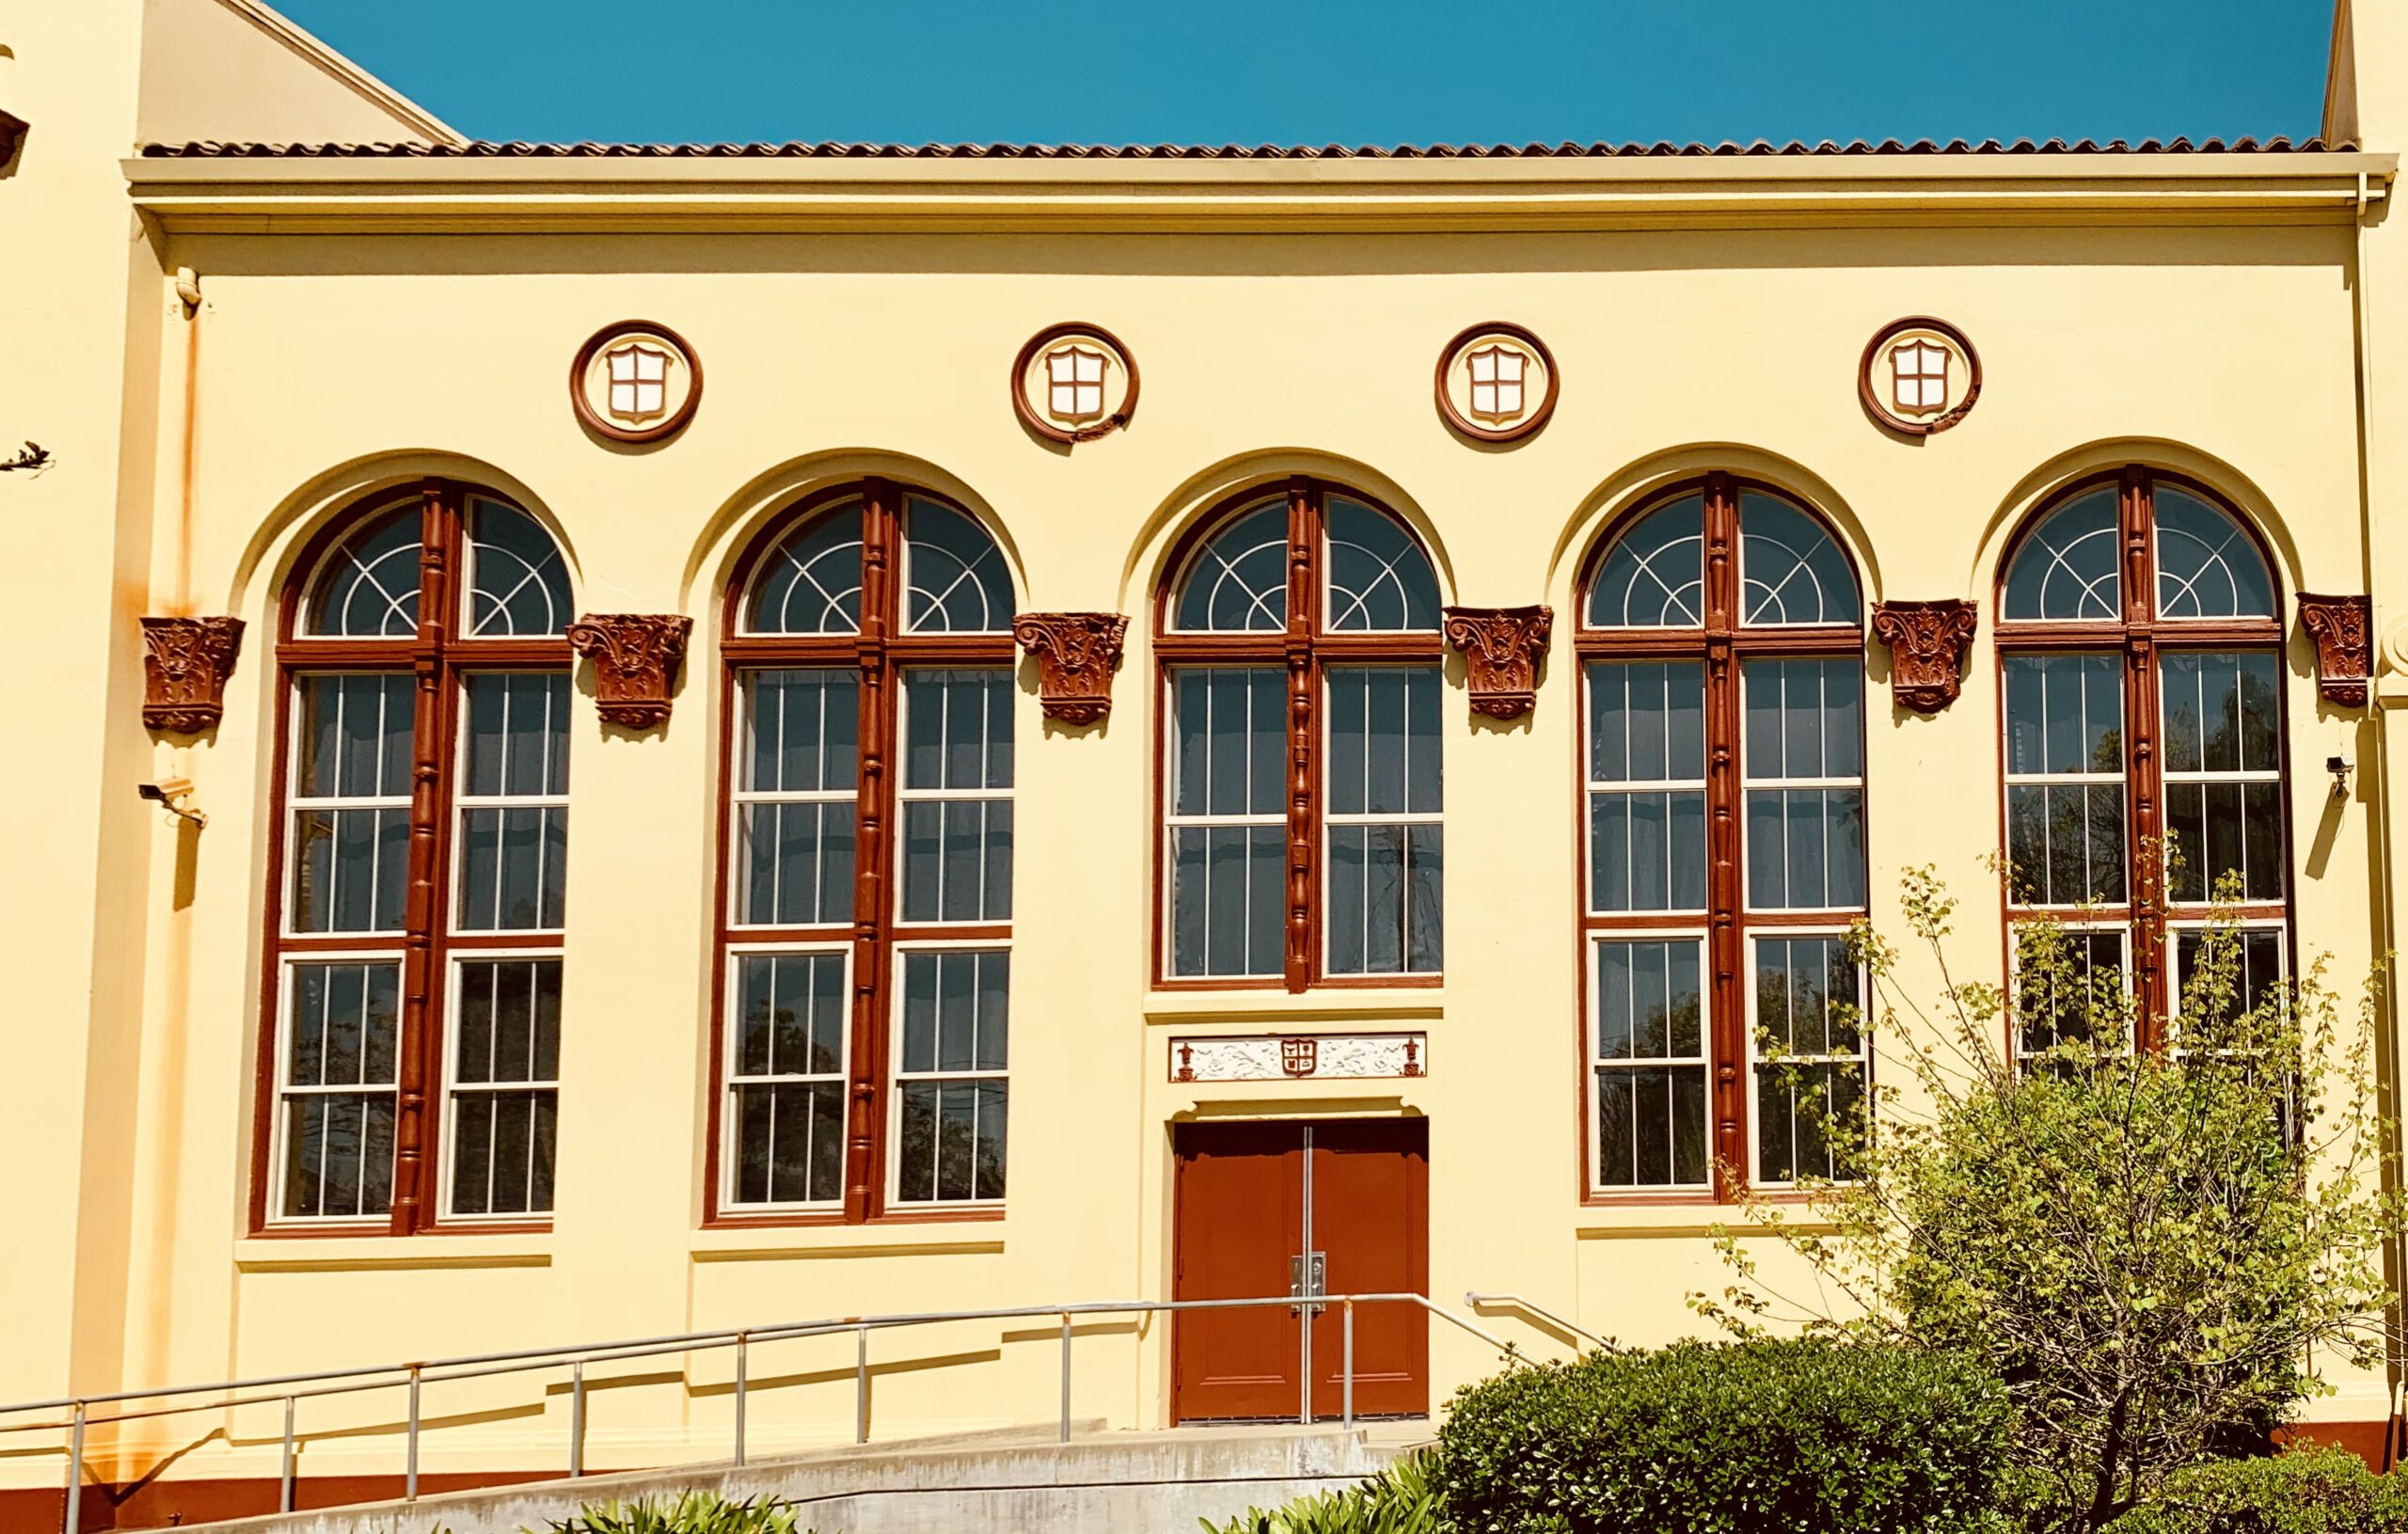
(1723, 645)
(440, 657)
(1306, 649)
(880, 649)
(2140, 637)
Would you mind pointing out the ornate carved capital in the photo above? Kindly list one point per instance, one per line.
(635, 660)
(185, 662)
(2343, 629)
(1928, 642)
(1076, 654)
(1501, 648)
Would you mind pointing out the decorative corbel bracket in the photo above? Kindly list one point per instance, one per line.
(2343, 629)
(1501, 648)
(1076, 654)
(185, 662)
(1928, 642)
(635, 660)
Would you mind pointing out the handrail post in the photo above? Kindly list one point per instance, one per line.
(576, 1419)
(861, 1384)
(743, 1350)
(1065, 1376)
(76, 1473)
(409, 1478)
(1346, 1387)
(1305, 1375)
(284, 1478)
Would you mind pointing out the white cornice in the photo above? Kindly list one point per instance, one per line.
(616, 193)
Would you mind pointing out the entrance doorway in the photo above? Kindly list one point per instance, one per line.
(1325, 1207)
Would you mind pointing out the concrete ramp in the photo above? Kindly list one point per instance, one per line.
(1101, 1482)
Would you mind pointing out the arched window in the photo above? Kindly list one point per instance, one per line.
(1302, 787)
(864, 998)
(1723, 663)
(423, 745)
(2139, 649)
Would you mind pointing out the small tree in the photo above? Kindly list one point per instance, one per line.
(2149, 1246)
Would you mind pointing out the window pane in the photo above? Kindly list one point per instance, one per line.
(2065, 715)
(1229, 758)
(517, 734)
(957, 860)
(2219, 974)
(1379, 578)
(518, 585)
(1647, 721)
(2068, 568)
(2068, 983)
(1653, 575)
(501, 1152)
(509, 1027)
(1383, 885)
(350, 870)
(787, 1063)
(1649, 1007)
(1806, 1000)
(955, 579)
(1239, 579)
(512, 868)
(342, 1029)
(798, 863)
(354, 737)
(812, 582)
(2065, 844)
(1228, 900)
(951, 1123)
(2206, 565)
(370, 586)
(1805, 848)
(1791, 571)
(801, 730)
(957, 729)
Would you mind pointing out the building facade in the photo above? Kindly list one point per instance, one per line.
(629, 741)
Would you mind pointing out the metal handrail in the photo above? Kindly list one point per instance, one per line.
(415, 1377)
(1474, 1299)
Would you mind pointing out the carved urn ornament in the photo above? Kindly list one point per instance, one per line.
(635, 660)
(1076, 654)
(1501, 648)
(2343, 629)
(185, 662)
(1928, 642)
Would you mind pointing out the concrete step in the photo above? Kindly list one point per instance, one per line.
(1004, 1482)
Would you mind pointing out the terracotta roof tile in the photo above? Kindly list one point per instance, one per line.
(486, 150)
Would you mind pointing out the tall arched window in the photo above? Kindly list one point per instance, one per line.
(2140, 648)
(1723, 663)
(1302, 780)
(862, 1033)
(417, 877)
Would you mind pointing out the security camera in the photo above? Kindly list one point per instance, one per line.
(170, 793)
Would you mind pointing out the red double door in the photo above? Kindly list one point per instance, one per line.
(1326, 1207)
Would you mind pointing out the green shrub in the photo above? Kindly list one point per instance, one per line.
(695, 1512)
(1398, 1500)
(2321, 1491)
(1760, 1437)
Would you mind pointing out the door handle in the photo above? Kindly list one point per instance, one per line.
(1308, 1278)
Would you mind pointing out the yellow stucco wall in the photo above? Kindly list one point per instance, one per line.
(2223, 345)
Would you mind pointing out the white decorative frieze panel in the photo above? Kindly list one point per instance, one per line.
(1299, 1057)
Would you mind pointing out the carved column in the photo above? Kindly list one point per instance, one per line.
(2343, 629)
(185, 662)
(635, 660)
(1928, 642)
(1076, 654)
(1501, 648)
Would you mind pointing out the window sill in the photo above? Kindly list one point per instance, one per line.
(315, 1253)
(1257, 1008)
(743, 1243)
(1697, 1216)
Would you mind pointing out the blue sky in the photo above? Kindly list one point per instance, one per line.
(1350, 71)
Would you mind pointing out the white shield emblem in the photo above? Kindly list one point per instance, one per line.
(1497, 374)
(1074, 383)
(1919, 377)
(639, 380)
